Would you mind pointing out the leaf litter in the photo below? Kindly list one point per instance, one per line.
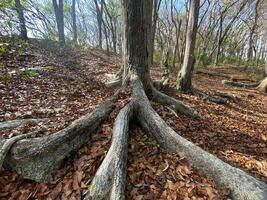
(74, 86)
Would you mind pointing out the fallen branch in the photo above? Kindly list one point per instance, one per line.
(212, 73)
(226, 95)
(208, 97)
(239, 84)
(232, 78)
(110, 179)
(37, 158)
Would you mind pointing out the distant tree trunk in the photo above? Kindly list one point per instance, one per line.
(58, 8)
(99, 16)
(177, 35)
(113, 28)
(23, 29)
(156, 6)
(219, 42)
(73, 9)
(252, 31)
(185, 74)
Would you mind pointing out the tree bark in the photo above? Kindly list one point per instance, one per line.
(99, 16)
(74, 24)
(252, 31)
(22, 24)
(137, 29)
(156, 6)
(185, 74)
(58, 8)
(38, 158)
(110, 179)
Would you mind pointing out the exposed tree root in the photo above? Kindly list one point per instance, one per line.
(242, 185)
(16, 123)
(177, 105)
(218, 98)
(7, 144)
(110, 179)
(37, 158)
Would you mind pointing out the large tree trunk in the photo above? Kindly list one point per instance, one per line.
(137, 30)
(22, 24)
(185, 74)
(58, 8)
(74, 25)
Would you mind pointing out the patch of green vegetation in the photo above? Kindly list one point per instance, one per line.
(90, 188)
(31, 73)
(4, 48)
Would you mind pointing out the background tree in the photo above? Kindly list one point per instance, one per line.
(99, 14)
(58, 9)
(73, 12)
(185, 74)
(23, 29)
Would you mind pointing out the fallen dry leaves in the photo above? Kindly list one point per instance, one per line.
(236, 132)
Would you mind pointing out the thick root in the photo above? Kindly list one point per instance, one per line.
(37, 158)
(16, 123)
(110, 179)
(177, 105)
(7, 144)
(242, 185)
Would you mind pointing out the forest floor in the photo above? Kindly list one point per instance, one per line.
(70, 83)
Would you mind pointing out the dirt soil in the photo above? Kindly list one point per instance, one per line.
(72, 84)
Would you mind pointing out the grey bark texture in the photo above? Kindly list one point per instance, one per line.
(37, 158)
(110, 179)
(242, 185)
